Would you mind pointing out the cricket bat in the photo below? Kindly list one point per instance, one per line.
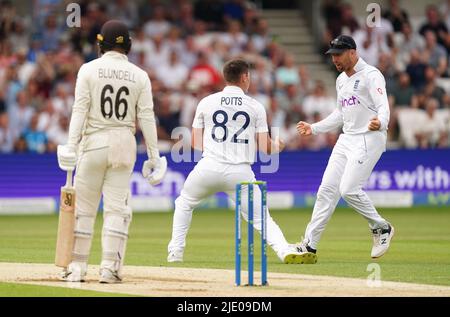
(66, 224)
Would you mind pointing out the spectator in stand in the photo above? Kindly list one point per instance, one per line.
(58, 133)
(431, 91)
(234, 38)
(157, 25)
(416, 70)
(340, 20)
(435, 24)
(19, 36)
(185, 18)
(6, 135)
(189, 56)
(202, 37)
(370, 44)
(173, 73)
(36, 140)
(404, 43)
(167, 120)
(276, 117)
(435, 53)
(234, 10)
(261, 38)
(159, 54)
(174, 41)
(386, 66)
(318, 102)
(20, 114)
(51, 34)
(431, 131)
(203, 73)
(288, 73)
(403, 94)
(262, 77)
(396, 15)
(124, 10)
(290, 101)
(62, 100)
(209, 11)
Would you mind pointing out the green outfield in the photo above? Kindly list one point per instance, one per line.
(419, 252)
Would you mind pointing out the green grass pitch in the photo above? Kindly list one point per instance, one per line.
(419, 252)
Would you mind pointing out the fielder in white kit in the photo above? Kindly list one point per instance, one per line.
(228, 127)
(110, 94)
(363, 111)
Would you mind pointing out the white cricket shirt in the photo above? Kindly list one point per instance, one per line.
(111, 93)
(360, 98)
(230, 120)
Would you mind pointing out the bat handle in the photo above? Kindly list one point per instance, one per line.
(69, 179)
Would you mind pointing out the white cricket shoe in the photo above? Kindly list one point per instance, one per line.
(381, 240)
(175, 256)
(109, 277)
(293, 256)
(75, 272)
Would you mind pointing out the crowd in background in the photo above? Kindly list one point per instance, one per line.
(183, 46)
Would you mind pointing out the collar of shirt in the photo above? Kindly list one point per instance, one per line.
(360, 65)
(234, 89)
(115, 54)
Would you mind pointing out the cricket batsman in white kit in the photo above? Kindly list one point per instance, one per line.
(228, 127)
(110, 94)
(363, 112)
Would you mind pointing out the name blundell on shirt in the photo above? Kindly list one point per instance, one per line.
(116, 74)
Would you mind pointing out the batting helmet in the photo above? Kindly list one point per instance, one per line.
(114, 33)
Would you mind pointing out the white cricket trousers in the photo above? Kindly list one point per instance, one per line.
(349, 167)
(209, 177)
(96, 176)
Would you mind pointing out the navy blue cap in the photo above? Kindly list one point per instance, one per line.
(341, 44)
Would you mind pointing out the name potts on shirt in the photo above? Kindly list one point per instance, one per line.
(351, 101)
(234, 101)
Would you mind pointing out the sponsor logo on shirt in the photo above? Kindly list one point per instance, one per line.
(349, 102)
(355, 86)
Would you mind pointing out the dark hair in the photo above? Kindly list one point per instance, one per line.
(232, 70)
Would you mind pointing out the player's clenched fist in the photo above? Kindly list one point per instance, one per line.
(304, 128)
(374, 124)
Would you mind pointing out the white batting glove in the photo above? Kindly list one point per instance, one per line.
(67, 157)
(154, 170)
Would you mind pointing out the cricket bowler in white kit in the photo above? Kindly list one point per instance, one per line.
(228, 127)
(110, 94)
(363, 112)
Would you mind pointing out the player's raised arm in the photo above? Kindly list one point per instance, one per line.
(155, 167)
(330, 123)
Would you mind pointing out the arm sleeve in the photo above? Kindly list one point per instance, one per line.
(80, 107)
(332, 122)
(377, 92)
(199, 118)
(146, 118)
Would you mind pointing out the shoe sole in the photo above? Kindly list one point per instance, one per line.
(303, 258)
(106, 281)
(68, 281)
(392, 236)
